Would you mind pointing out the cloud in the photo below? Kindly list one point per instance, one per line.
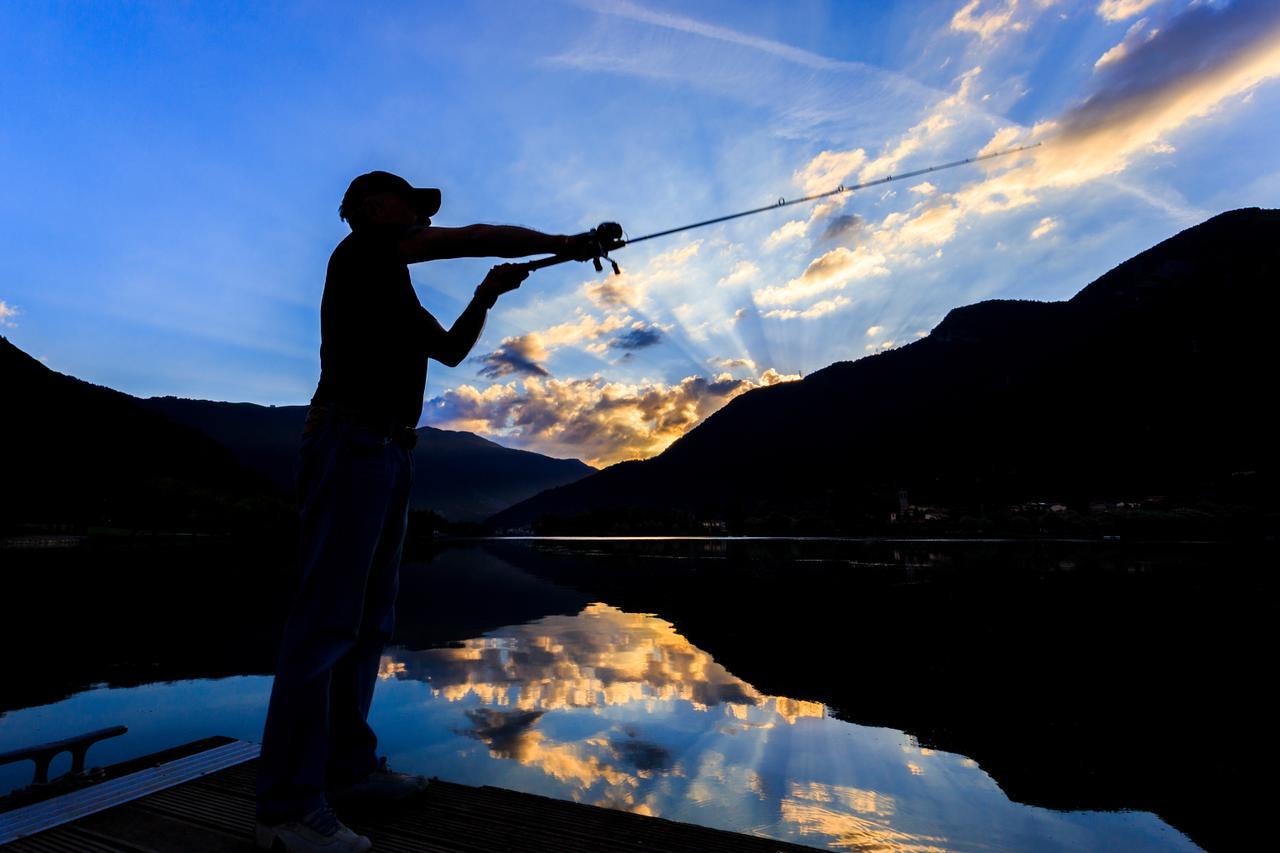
(817, 309)
(1136, 34)
(610, 292)
(825, 172)
(514, 356)
(1119, 10)
(865, 826)
(924, 188)
(934, 223)
(1044, 227)
(524, 354)
(639, 336)
(833, 270)
(845, 227)
(634, 288)
(875, 331)
(595, 420)
(509, 734)
(828, 170)
(785, 233)
(732, 363)
(1201, 59)
(941, 116)
(742, 272)
(691, 26)
(7, 313)
(988, 24)
(602, 657)
(802, 91)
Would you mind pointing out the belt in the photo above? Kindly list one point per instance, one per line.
(320, 413)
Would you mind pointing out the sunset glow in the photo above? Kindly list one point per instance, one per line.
(202, 232)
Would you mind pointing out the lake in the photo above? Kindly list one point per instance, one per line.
(845, 695)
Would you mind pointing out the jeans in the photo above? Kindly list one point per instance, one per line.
(353, 495)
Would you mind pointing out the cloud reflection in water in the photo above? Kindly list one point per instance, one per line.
(618, 709)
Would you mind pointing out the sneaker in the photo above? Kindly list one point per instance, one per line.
(382, 785)
(318, 832)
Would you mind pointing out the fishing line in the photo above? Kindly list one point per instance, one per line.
(609, 235)
(782, 202)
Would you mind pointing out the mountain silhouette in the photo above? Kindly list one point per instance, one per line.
(1151, 381)
(459, 475)
(80, 453)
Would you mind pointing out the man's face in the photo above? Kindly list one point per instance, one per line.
(392, 209)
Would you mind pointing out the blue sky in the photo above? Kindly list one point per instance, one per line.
(173, 172)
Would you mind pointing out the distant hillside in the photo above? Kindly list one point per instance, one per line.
(84, 454)
(1156, 379)
(461, 476)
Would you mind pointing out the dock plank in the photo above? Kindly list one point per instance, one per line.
(215, 812)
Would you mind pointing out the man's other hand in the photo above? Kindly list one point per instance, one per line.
(503, 278)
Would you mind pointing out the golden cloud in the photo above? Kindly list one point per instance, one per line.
(597, 421)
(790, 230)
(986, 25)
(732, 363)
(854, 831)
(524, 354)
(817, 309)
(829, 169)
(1044, 227)
(833, 270)
(603, 656)
(853, 818)
(1137, 34)
(1182, 73)
(742, 272)
(941, 116)
(1157, 86)
(853, 799)
(511, 735)
(633, 288)
(1119, 10)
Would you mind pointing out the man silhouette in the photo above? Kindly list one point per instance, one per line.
(354, 474)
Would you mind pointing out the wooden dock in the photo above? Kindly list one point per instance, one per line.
(214, 812)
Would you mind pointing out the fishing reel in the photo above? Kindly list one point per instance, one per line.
(606, 236)
(599, 241)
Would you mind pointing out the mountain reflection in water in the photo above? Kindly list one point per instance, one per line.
(618, 709)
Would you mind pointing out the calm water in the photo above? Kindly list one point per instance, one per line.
(602, 705)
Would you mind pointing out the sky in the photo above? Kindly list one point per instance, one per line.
(173, 172)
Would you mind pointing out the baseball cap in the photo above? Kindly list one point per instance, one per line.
(425, 200)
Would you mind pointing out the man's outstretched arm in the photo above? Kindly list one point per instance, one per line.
(484, 241)
(452, 346)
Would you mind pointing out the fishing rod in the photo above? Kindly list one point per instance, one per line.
(609, 236)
